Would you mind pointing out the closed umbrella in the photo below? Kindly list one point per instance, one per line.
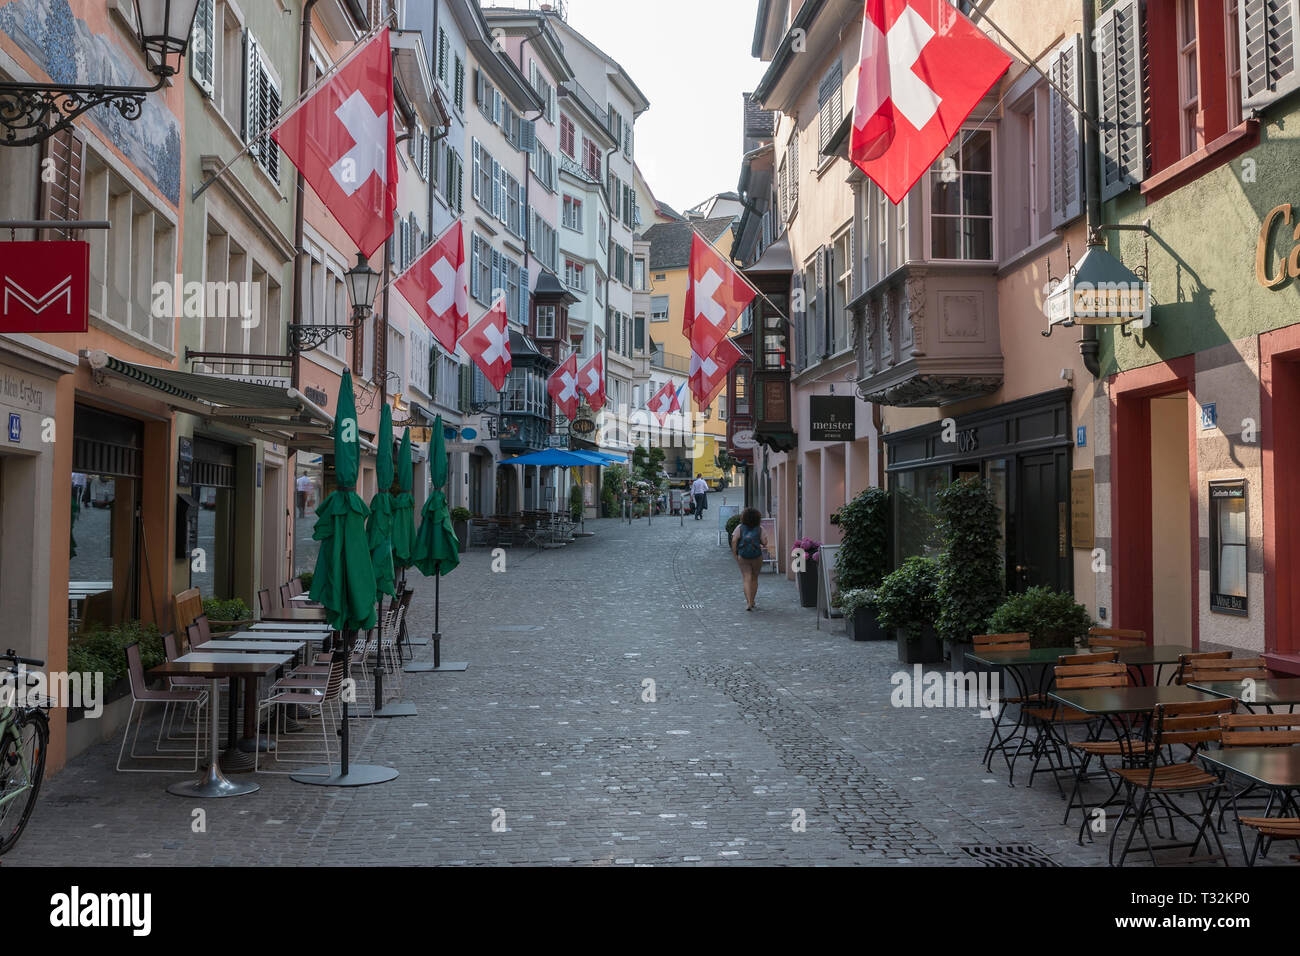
(379, 528)
(436, 552)
(404, 507)
(344, 580)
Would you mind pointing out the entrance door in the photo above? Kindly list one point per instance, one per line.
(1039, 547)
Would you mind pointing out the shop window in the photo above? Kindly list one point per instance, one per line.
(1228, 541)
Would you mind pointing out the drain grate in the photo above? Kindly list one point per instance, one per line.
(518, 628)
(1009, 854)
(692, 607)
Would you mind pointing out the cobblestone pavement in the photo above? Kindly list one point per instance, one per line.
(758, 720)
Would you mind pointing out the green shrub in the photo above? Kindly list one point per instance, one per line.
(103, 650)
(1050, 618)
(855, 600)
(232, 610)
(306, 579)
(576, 502)
(731, 524)
(461, 514)
(907, 598)
(611, 490)
(863, 558)
(970, 568)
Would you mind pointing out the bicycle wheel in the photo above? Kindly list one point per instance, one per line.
(22, 764)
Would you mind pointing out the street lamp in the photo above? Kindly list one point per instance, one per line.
(362, 283)
(31, 113)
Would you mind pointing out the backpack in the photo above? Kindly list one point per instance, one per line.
(750, 545)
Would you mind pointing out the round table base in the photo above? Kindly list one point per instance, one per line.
(212, 785)
(358, 775)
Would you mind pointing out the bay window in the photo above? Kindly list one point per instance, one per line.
(961, 198)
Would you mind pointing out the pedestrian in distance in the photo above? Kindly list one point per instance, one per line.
(748, 543)
(700, 489)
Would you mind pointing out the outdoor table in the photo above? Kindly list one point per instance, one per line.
(302, 599)
(297, 615)
(1155, 656)
(290, 626)
(1276, 769)
(1284, 692)
(1017, 664)
(255, 646)
(216, 667)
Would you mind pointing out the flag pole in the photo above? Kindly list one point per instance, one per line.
(293, 106)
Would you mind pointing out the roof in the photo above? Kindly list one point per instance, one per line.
(670, 242)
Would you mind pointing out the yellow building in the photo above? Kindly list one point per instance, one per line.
(670, 259)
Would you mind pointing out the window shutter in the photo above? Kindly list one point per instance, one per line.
(1270, 44)
(1119, 87)
(201, 55)
(1066, 133)
(480, 89)
(271, 152)
(460, 85)
(60, 196)
(250, 92)
(819, 326)
(528, 135)
(524, 300)
(443, 48)
(830, 104)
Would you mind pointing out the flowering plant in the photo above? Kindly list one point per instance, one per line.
(809, 546)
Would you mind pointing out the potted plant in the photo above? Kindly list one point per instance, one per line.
(232, 615)
(859, 606)
(460, 518)
(103, 651)
(576, 503)
(730, 527)
(863, 558)
(970, 567)
(907, 603)
(1050, 618)
(808, 577)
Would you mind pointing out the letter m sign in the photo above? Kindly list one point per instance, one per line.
(44, 286)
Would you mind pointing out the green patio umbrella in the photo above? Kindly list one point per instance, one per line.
(404, 506)
(344, 580)
(379, 526)
(437, 551)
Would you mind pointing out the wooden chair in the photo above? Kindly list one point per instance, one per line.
(1154, 786)
(1232, 669)
(998, 742)
(1050, 718)
(186, 606)
(1117, 638)
(264, 604)
(1186, 662)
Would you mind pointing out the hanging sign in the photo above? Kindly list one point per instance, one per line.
(831, 418)
(1101, 290)
(44, 286)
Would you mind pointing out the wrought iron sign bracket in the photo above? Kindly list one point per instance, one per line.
(308, 338)
(31, 113)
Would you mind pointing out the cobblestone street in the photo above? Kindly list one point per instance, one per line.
(756, 717)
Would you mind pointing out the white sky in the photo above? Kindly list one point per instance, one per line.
(691, 59)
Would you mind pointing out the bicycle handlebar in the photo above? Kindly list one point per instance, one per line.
(9, 655)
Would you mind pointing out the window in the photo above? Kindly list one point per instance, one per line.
(604, 233)
(592, 161)
(842, 263)
(600, 291)
(567, 132)
(480, 271)
(575, 276)
(444, 49)
(638, 274)
(454, 183)
(741, 390)
(1189, 102)
(326, 296)
(629, 207)
(546, 321)
(542, 163)
(659, 308)
(573, 213)
(638, 332)
(792, 150)
(614, 187)
(544, 89)
(830, 104)
(961, 198)
(1232, 30)
(1228, 545)
(543, 241)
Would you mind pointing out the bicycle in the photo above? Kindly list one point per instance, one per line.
(24, 739)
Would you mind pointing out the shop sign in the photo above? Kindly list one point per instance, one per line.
(831, 418)
(1101, 290)
(184, 461)
(270, 381)
(1291, 269)
(45, 287)
(557, 441)
(744, 440)
(583, 425)
(1082, 511)
(316, 396)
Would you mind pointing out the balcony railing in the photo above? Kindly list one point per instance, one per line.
(670, 362)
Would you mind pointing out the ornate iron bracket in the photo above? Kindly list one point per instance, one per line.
(308, 338)
(31, 113)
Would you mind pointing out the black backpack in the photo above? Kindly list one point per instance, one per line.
(750, 545)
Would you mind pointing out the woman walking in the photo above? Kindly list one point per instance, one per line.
(748, 543)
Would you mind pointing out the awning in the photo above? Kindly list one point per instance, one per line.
(283, 416)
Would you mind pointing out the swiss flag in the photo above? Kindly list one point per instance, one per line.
(437, 286)
(562, 386)
(488, 344)
(591, 379)
(664, 403)
(923, 68)
(709, 374)
(341, 139)
(716, 296)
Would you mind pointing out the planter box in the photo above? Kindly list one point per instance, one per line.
(462, 535)
(863, 626)
(927, 649)
(808, 587)
(957, 652)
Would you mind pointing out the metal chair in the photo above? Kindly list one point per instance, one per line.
(141, 697)
(325, 698)
(1187, 662)
(997, 742)
(1051, 719)
(1115, 638)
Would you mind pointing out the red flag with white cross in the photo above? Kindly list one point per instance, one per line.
(342, 141)
(437, 286)
(488, 344)
(709, 373)
(716, 297)
(562, 386)
(923, 68)
(591, 379)
(664, 403)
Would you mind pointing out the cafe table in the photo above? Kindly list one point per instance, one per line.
(1282, 692)
(290, 626)
(1276, 769)
(297, 615)
(215, 667)
(255, 646)
(1019, 665)
(1155, 655)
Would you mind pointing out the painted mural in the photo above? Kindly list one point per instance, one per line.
(69, 52)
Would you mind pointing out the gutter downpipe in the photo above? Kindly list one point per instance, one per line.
(1089, 345)
(300, 192)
